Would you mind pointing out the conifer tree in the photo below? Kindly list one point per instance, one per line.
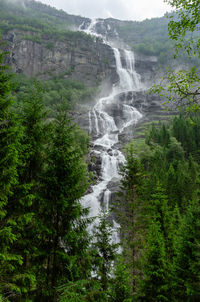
(158, 209)
(121, 290)
(129, 208)
(104, 250)
(100, 283)
(25, 202)
(64, 238)
(154, 285)
(9, 145)
(186, 263)
(89, 290)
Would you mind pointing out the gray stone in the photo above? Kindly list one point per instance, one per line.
(83, 59)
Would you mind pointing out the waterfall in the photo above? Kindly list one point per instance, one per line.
(103, 127)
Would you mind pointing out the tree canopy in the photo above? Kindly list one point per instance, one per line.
(182, 87)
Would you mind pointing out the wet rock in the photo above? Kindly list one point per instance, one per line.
(94, 165)
(89, 190)
(110, 152)
(100, 148)
(113, 184)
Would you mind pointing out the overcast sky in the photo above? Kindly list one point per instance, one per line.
(119, 9)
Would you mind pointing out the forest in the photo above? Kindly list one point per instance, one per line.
(46, 251)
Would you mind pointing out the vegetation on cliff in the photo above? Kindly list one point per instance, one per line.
(54, 90)
(37, 21)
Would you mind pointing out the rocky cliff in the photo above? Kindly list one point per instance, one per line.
(84, 59)
(81, 58)
(42, 41)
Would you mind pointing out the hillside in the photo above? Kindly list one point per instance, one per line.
(45, 43)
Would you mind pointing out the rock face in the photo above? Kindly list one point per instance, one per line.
(78, 56)
(81, 58)
(146, 67)
(87, 60)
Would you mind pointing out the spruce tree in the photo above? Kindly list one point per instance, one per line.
(104, 250)
(158, 209)
(9, 145)
(25, 203)
(154, 285)
(121, 290)
(128, 211)
(186, 263)
(64, 238)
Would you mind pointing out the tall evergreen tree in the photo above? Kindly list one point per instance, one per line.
(25, 203)
(186, 263)
(157, 209)
(104, 250)
(121, 290)
(129, 208)
(64, 238)
(154, 286)
(9, 145)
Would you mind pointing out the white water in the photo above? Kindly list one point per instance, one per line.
(103, 127)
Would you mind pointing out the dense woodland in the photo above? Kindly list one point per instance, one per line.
(46, 253)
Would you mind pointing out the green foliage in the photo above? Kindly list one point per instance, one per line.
(171, 164)
(9, 144)
(188, 21)
(121, 285)
(157, 217)
(128, 211)
(54, 91)
(45, 250)
(154, 286)
(101, 285)
(43, 237)
(182, 87)
(158, 209)
(104, 250)
(82, 290)
(62, 223)
(186, 256)
(24, 203)
(40, 22)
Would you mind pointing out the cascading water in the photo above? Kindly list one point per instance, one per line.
(103, 127)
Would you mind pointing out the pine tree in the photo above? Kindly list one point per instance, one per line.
(89, 290)
(24, 204)
(154, 286)
(104, 250)
(64, 239)
(121, 290)
(9, 145)
(129, 208)
(157, 209)
(186, 263)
